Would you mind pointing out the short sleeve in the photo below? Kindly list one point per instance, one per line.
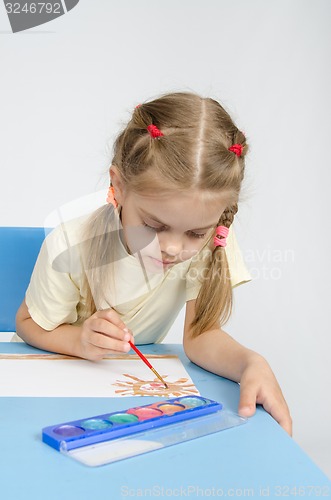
(54, 292)
(238, 271)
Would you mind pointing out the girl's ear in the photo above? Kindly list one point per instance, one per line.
(117, 183)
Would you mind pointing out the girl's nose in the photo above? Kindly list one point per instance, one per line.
(172, 246)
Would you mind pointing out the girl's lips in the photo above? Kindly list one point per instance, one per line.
(163, 262)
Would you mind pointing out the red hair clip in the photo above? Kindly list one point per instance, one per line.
(237, 149)
(154, 131)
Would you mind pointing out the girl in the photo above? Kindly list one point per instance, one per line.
(163, 239)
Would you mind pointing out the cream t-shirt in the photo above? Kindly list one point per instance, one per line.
(148, 302)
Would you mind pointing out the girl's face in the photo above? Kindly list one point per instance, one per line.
(165, 230)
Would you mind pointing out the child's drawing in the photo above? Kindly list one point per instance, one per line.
(55, 375)
(141, 387)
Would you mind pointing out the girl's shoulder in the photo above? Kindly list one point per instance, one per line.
(64, 244)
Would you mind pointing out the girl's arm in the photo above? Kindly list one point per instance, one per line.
(102, 334)
(217, 352)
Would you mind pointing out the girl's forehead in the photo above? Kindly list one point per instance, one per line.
(197, 209)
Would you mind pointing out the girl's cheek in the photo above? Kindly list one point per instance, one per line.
(139, 238)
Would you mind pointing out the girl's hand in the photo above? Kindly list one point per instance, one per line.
(102, 334)
(258, 385)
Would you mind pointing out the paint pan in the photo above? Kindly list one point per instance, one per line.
(110, 437)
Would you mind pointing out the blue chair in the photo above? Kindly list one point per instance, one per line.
(19, 248)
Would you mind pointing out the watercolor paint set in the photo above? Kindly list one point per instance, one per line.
(110, 437)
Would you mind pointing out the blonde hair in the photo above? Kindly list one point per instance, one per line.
(193, 153)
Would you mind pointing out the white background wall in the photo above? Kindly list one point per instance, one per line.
(68, 85)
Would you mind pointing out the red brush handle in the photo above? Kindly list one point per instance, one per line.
(140, 354)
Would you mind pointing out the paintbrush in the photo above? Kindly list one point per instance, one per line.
(145, 360)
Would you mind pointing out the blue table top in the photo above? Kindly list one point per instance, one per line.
(253, 460)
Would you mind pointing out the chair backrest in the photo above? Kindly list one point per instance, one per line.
(19, 248)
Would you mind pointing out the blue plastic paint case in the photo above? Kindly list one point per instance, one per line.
(123, 434)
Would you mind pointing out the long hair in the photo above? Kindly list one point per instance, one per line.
(193, 153)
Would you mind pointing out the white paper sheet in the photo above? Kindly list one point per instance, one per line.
(63, 376)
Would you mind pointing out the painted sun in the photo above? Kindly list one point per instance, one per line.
(134, 386)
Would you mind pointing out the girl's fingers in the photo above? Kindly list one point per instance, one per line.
(111, 316)
(286, 423)
(280, 412)
(284, 420)
(247, 402)
(108, 343)
(105, 333)
(273, 403)
(101, 325)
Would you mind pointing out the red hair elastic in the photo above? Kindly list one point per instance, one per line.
(237, 149)
(111, 197)
(154, 131)
(221, 235)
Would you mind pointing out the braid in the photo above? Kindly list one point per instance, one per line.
(214, 302)
(227, 216)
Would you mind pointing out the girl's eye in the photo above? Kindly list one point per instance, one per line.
(197, 235)
(152, 228)
(191, 234)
